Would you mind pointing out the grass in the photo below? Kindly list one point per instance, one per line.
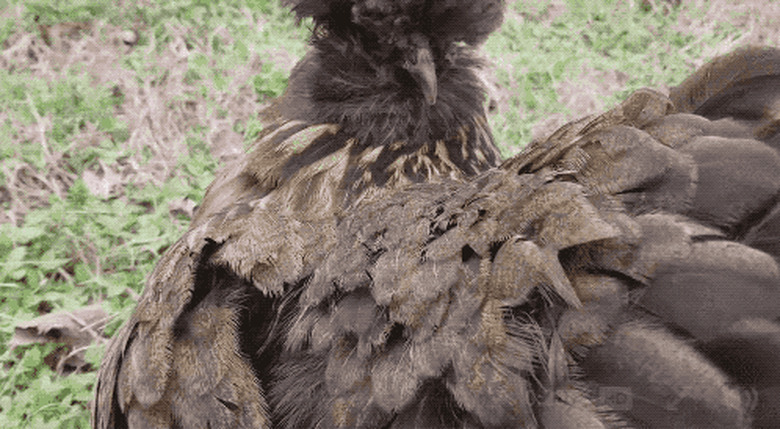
(114, 120)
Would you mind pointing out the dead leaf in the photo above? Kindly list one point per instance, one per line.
(76, 330)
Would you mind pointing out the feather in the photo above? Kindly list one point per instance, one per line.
(737, 179)
(669, 383)
(721, 281)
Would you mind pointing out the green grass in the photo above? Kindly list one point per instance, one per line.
(100, 142)
(536, 53)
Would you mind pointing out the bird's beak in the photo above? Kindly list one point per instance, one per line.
(423, 70)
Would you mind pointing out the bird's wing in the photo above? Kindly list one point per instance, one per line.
(742, 91)
(708, 249)
(179, 361)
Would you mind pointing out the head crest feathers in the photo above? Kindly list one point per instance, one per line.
(443, 21)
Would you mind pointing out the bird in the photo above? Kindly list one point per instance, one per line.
(372, 262)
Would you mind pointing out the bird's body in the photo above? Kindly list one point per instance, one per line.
(370, 264)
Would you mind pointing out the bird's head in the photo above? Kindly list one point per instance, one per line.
(412, 37)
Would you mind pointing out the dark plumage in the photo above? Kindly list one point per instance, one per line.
(369, 263)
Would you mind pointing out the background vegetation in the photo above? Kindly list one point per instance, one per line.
(114, 116)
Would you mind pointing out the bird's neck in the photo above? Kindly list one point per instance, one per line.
(399, 137)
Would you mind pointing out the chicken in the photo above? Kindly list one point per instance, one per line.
(370, 264)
